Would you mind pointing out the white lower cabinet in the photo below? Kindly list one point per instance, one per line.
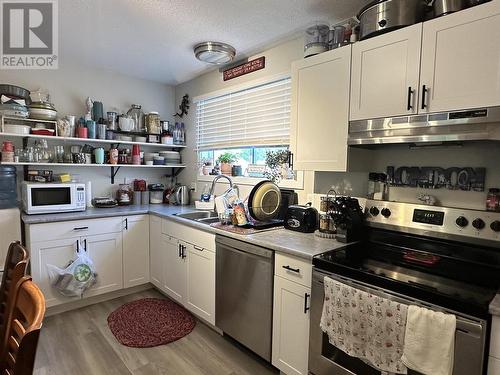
(156, 253)
(174, 268)
(118, 248)
(184, 269)
(58, 253)
(291, 326)
(105, 250)
(136, 250)
(493, 366)
(200, 297)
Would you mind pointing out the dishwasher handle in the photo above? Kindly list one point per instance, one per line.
(243, 247)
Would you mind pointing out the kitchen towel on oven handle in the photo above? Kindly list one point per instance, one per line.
(365, 326)
(429, 341)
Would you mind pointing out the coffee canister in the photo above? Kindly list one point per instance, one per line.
(113, 156)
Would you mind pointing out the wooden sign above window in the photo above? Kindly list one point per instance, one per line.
(242, 69)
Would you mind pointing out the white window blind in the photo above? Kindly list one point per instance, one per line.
(256, 116)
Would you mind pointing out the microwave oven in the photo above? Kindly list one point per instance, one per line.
(52, 198)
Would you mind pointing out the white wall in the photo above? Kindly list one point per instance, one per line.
(72, 83)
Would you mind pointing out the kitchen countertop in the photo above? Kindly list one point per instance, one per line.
(304, 245)
(495, 306)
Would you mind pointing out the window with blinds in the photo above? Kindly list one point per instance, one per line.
(252, 117)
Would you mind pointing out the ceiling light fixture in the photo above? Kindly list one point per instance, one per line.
(214, 52)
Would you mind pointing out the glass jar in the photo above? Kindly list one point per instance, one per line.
(124, 195)
(326, 204)
(493, 200)
(152, 121)
(326, 224)
(135, 112)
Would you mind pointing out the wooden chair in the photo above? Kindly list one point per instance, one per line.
(26, 311)
(14, 269)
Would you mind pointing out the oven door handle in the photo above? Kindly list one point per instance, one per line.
(464, 323)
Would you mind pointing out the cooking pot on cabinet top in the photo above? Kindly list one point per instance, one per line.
(381, 16)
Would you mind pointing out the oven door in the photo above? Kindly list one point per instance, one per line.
(326, 359)
(50, 198)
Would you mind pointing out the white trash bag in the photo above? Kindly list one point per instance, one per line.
(78, 276)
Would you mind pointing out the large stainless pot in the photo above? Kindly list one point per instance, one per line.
(442, 7)
(381, 16)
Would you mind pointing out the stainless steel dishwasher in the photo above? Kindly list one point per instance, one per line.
(244, 293)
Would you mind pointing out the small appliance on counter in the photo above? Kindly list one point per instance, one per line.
(181, 196)
(156, 193)
(302, 218)
(348, 218)
(288, 198)
(124, 195)
(46, 198)
(104, 202)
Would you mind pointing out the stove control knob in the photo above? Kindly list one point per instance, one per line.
(495, 226)
(478, 224)
(374, 211)
(462, 222)
(386, 212)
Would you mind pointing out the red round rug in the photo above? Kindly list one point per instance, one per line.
(150, 322)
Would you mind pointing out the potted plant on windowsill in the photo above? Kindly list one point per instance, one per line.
(277, 165)
(226, 161)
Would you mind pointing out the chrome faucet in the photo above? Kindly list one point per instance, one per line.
(217, 178)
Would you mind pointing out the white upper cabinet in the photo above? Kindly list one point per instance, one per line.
(461, 59)
(385, 74)
(320, 111)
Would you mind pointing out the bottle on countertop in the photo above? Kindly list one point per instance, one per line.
(493, 200)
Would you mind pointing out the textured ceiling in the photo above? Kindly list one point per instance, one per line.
(153, 39)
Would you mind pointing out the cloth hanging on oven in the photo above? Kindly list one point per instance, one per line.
(365, 326)
(429, 341)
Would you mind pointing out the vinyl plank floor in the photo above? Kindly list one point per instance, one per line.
(79, 342)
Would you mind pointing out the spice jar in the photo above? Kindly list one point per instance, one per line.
(152, 120)
(326, 204)
(326, 224)
(493, 200)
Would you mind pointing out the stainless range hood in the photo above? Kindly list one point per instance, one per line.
(482, 124)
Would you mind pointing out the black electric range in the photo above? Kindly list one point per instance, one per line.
(447, 257)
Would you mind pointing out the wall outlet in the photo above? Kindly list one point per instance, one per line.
(194, 187)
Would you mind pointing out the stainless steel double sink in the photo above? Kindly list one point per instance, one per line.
(203, 217)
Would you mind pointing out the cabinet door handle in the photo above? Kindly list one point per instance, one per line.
(424, 94)
(126, 223)
(288, 268)
(80, 228)
(409, 107)
(198, 248)
(306, 307)
(290, 160)
(77, 246)
(180, 251)
(85, 244)
(183, 251)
